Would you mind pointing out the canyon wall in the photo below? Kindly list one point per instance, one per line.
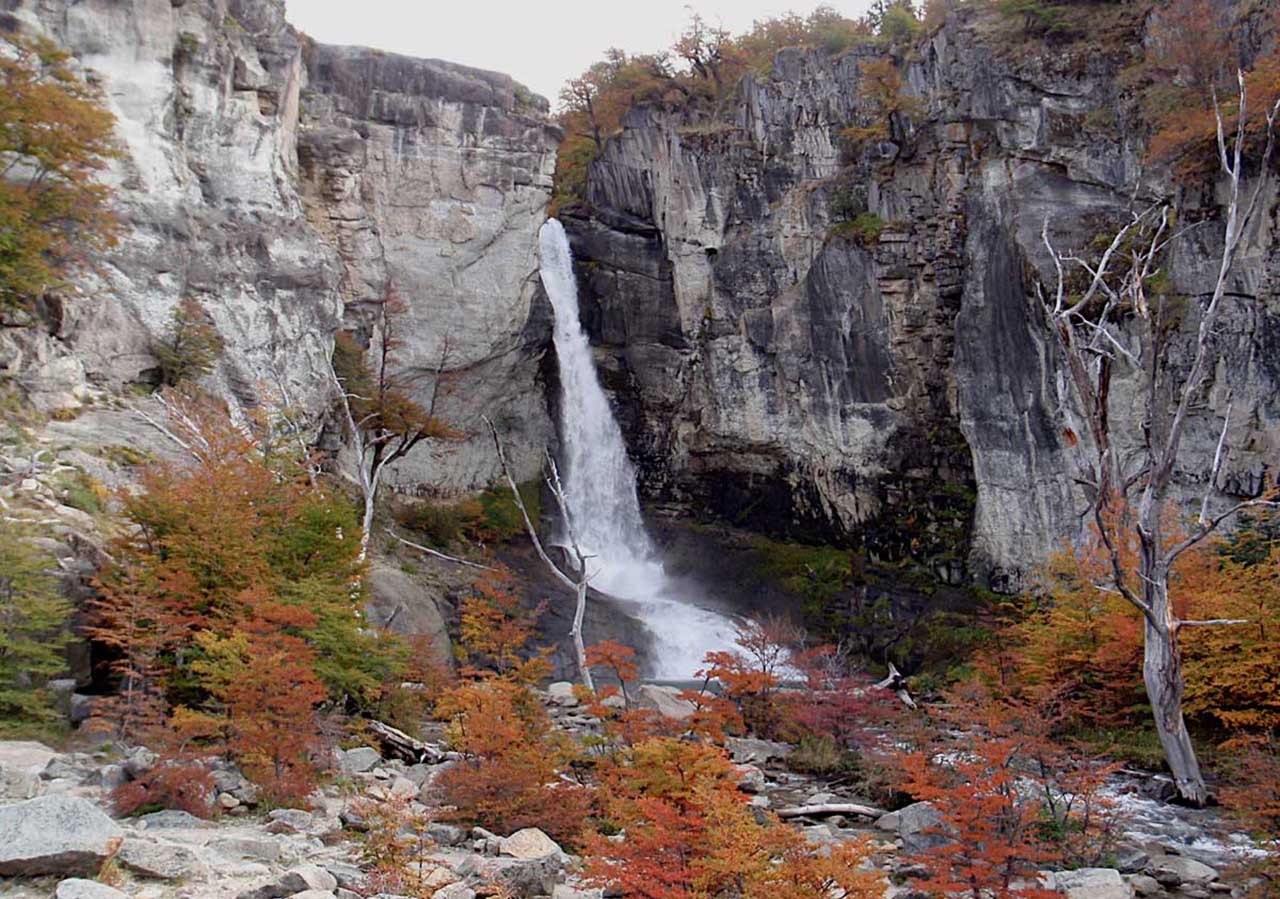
(889, 381)
(287, 186)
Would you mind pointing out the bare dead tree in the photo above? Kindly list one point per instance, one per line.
(1128, 498)
(577, 581)
(381, 419)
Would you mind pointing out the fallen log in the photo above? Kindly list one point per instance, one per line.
(834, 808)
(399, 745)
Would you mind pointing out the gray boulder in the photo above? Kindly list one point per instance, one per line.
(914, 824)
(524, 877)
(529, 843)
(1090, 883)
(749, 751)
(302, 879)
(76, 888)
(161, 861)
(664, 700)
(359, 760)
(55, 835)
(1175, 870)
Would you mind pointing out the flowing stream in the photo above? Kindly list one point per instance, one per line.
(600, 485)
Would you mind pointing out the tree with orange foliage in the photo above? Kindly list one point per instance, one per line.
(1193, 70)
(748, 677)
(266, 688)
(510, 776)
(1253, 798)
(496, 632)
(1010, 802)
(688, 832)
(55, 140)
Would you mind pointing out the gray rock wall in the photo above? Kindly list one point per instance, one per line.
(795, 377)
(283, 185)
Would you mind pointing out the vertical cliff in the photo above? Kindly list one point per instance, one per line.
(849, 342)
(284, 185)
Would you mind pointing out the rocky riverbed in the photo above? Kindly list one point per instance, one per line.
(57, 836)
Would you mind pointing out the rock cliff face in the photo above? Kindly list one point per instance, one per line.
(897, 388)
(285, 186)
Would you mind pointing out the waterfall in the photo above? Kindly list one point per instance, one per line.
(600, 485)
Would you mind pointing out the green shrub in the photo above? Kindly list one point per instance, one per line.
(190, 347)
(820, 756)
(865, 228)
(81, 491)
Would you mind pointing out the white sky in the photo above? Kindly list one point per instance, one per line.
(541, 43)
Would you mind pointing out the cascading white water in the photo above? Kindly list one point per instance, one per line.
(600, 484)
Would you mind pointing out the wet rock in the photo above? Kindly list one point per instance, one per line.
(55, 835)
(1174, 870)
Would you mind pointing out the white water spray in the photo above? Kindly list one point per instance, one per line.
(600, 484)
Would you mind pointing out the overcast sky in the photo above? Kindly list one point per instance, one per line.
(541, 44)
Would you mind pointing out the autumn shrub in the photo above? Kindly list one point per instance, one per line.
(1252, 796)
(233, 607)
(1011, 801)
(686, 831)
(56, 139)
(190, 345)
(174, 783)
(510, 773)
(397, 847)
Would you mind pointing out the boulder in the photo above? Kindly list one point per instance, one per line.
(529, 843)
(665, 701)
(750, 778)
(302, 879)
(290, 820)
(568, 891)
(1090, 883)
(358, 760)
(914, 824)
(561, 693)
(171, 818)
(524, 877)
(348, 876)
(314, 894)
(1175, 870)
(457, 890)
(446, 834)
(55, 835)
(76, 888)
(158, 860)
(1143, 885)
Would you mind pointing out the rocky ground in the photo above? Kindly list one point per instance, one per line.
(58, 838)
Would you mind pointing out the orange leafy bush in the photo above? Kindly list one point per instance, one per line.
(688, 832)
